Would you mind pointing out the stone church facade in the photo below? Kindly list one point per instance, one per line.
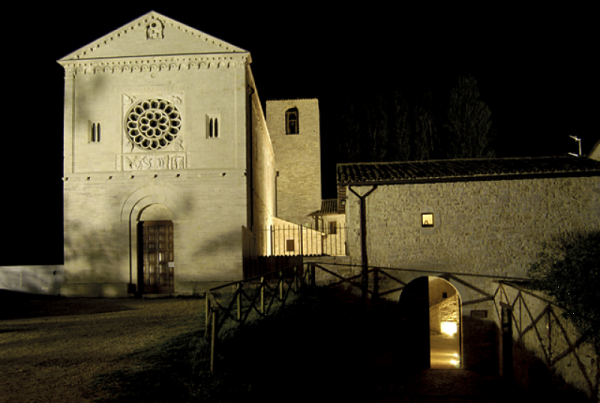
(168, 161)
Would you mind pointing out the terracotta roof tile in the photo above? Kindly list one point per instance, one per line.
(465, 169)
(328, 206)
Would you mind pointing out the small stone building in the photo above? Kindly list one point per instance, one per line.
(479, 215)
(470, 222)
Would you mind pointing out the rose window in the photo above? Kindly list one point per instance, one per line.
(153, 124)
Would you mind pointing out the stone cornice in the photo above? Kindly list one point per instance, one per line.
(154, 64)
(142, 23)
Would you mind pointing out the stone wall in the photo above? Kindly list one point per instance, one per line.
(492, 228)
(32, 279)
(263, 170)
(298, 159)
(447, 310)
(481, 229)
(101, 216)
(199, 179)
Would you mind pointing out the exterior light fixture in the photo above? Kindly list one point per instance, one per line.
(449, 328)
(427, 220)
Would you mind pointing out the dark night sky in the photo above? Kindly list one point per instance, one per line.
(537, 70)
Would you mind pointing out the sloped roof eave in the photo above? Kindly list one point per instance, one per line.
(76, 55)
(369, 174)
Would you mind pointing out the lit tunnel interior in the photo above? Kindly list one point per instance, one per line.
(444, 324)
(430, 315)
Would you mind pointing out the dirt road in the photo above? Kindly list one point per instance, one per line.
(50, 349)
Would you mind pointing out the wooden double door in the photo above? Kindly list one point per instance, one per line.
(156, 274)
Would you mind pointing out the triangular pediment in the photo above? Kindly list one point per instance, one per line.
(152, 34)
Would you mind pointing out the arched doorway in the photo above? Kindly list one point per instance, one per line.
(430, 311)
(444, 324)
(156, 253)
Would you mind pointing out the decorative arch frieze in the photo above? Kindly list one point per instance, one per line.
(155, 64)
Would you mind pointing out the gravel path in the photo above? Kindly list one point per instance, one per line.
(51, 348)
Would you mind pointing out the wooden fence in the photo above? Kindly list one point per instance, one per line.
(525, 318)
(259, 296)
(534, 329)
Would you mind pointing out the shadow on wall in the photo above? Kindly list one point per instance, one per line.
(224, 243)
(480, 345)
(99, 253)
(32, 279)
(533, 377)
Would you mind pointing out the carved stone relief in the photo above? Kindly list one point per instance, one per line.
(151, 124)
(140, 162)
(154, 30)
(154, 64)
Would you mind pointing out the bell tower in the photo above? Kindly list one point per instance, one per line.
(295, 135)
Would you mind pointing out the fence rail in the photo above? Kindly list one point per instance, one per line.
(258, 295)
(262, 294)
(538, 323)
(539, 326)
(270, 290)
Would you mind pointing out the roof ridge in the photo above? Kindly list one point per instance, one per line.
(465, 170)
(292, 99)
(456, 160)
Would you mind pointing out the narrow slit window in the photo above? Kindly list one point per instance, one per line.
(213, 127)
(94, 132)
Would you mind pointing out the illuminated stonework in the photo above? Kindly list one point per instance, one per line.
(153, 124)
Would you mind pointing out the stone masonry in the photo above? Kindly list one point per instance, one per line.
(298, 159)
(162, 122)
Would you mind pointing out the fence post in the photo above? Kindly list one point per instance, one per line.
(295, 283)
(207, 311)
(375, 284)
(281, 286)
(239, 301)
(301, 241)
(213, 340)
(272, 241)
(262, 295)
(312, 274)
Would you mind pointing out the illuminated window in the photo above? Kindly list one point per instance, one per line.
(291, 121)
(427, 220)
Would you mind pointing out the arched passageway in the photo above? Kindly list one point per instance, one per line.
(430, 311)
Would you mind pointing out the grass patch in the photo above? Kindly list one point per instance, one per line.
(322, 341)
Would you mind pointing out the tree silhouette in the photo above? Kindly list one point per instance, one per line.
(469, 122)
(388, 126)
